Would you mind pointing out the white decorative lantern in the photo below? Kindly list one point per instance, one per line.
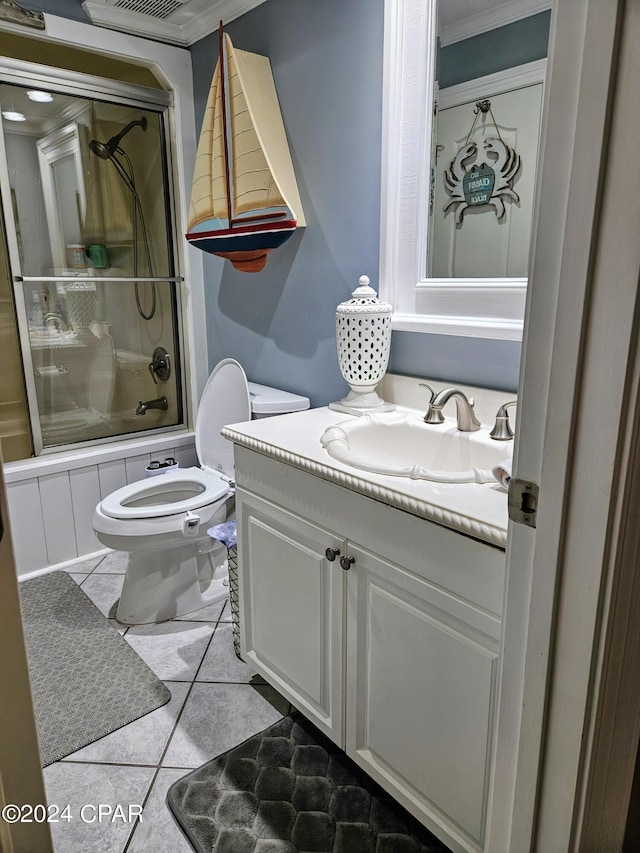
(363, 333)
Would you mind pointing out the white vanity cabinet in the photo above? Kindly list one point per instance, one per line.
(421, 669)
(291, 608)
(395, 658)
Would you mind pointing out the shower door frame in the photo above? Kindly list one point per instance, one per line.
(33, 75)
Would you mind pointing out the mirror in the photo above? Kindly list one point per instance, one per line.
(62, 155)
(484, 157)
(452, 263)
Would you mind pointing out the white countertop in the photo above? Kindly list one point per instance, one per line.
(478, 510)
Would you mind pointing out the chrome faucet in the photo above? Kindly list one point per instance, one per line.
(467, 421)
(159, 403)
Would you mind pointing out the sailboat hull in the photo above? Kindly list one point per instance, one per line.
(234, 243)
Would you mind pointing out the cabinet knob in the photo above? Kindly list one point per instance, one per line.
(347, 562)
(332, 553)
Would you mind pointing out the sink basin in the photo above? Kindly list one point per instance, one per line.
(400, 444)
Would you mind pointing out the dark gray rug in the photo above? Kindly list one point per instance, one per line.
(86, 680)
(290, 790)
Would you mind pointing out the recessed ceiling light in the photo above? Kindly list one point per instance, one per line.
(10, 115)
(41, 97)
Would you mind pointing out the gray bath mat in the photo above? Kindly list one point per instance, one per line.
(290, 790)
(86, 680)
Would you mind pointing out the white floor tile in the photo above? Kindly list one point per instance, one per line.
(173, 650)
(158, 832)
(104, 591)
(84, 787)
(217, 717)
(220, 662)
(210, 613)
(114, 563)
(226, 613)
(85, 566)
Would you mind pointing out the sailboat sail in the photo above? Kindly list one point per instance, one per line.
(209, 189)
(245, 199)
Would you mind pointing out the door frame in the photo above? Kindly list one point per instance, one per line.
(21, 779)
(579, 381)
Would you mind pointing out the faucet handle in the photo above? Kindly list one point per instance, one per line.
(426, 385)
(160, 365)
(433, 416)
(502, 430)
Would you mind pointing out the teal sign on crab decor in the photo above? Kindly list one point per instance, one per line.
(471, 185)
(478, 184)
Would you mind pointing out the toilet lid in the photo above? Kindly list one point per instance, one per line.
(225, 400)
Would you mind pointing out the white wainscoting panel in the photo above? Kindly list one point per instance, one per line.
(52, 499)
(27, 526)
(135, 467)
(58, 517)
(112, 476)
(85, 495)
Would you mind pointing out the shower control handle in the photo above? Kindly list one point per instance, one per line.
(160, 366)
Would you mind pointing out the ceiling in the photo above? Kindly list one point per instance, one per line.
(183, 22)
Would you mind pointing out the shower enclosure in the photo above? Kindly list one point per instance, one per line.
(87, 206)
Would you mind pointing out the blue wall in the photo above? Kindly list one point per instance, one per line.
(505, 47)
(326, 57)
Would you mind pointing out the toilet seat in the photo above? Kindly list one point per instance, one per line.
(225, 400)
(161, 496)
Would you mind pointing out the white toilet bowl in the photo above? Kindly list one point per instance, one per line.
(174, 566)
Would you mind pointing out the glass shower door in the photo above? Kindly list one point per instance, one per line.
(93, 259)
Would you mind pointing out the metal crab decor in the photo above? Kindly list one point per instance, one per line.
(483, 184)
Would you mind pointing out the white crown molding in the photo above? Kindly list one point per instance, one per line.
(185, 33)
(491, 19)
(224, 10)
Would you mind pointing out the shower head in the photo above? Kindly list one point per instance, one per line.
(105, 150)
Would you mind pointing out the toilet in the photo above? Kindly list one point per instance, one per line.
(174, 566)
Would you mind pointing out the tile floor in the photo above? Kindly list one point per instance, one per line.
(216, 702)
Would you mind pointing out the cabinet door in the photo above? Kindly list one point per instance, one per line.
(291, 605)
(421, 668)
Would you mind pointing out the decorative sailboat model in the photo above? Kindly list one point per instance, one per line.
(244, 199)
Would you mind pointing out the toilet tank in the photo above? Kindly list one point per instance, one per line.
(266, 401)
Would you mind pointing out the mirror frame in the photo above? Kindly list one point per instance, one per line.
(481, 307)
